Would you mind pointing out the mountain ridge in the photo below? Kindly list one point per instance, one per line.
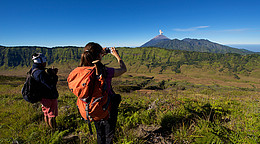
(146, 59)
(188, 44)
(155, 40)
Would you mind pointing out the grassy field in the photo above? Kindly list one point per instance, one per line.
(192, 107)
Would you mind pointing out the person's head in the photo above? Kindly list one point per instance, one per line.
(92, 51)
(39, 58)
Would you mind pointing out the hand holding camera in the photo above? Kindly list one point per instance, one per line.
(108, 50)
(52, 71)
(113, 51)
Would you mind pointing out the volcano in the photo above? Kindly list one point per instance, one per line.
(156, 40)
(187, 44)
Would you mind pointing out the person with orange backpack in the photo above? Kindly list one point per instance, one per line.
(91, 83)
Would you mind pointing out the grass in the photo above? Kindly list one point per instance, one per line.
(180, 112)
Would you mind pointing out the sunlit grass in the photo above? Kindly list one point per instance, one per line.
(181, 113)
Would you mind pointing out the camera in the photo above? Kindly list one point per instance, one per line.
(52, 71)
(108, 50)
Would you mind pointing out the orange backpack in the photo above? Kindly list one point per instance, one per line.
(93, 100)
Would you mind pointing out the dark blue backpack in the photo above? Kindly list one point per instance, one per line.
(31, 90)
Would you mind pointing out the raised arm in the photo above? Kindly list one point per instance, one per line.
(122, 69)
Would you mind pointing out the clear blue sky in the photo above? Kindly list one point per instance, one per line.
(127, 22)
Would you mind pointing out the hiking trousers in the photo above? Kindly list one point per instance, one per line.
(106, 128)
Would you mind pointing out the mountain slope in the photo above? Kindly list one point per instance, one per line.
(200, 45)
(153, 60)
(155, 40)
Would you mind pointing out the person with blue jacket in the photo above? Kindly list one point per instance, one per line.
(48, 90)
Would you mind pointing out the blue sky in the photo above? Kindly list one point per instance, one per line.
(127, 23)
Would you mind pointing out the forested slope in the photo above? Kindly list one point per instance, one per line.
(21, 56)
(156, 60)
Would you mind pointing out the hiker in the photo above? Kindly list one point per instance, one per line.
(48, 81)
(92, 54)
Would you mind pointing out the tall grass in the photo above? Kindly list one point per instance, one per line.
(180, 113)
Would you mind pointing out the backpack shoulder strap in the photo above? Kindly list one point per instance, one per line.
(34, 70)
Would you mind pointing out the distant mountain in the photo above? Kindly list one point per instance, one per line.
(200, 45)
(155, 40)
(251, 47)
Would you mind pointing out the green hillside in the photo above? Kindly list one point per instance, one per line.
(151, 60)
(168, 96)
(164, 60)
(21, 56)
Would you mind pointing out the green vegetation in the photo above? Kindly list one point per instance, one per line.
(180, 112)
(21, 56)
(153, 60)
(168, 96)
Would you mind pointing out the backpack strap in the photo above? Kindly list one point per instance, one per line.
(107, 104)
(88, 119)
(85, 100)
(89, 123)
(32, 71)
(87, 115)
